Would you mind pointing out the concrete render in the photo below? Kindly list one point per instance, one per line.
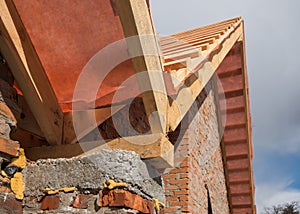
(88, 173)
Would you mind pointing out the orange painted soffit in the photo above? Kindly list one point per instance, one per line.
(66, 35)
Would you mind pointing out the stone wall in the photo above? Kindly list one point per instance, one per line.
(76, 185)
(198, 161)
(8, 122)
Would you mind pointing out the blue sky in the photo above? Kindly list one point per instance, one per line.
(272, 29)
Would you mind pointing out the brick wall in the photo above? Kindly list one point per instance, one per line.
(129, 121)
(108, 203)
(198, 161)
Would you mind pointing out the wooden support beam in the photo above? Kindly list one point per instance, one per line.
(155, 148)
(16, 47)
(144, 49)
(85, 122)
(25, 118)
(196, 82)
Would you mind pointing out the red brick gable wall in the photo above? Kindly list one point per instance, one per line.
(198, 161)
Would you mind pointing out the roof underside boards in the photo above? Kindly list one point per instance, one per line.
(66, 39)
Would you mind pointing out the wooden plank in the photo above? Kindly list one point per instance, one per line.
(209, 27)
(25, 65)
(9, 147)
(183, 42)
(195, 35)
(178, 55)
(136, 21)
(188, 46)
(195, 83)
(86, 121)
(155, 148)
(25, 118)
(178, 64)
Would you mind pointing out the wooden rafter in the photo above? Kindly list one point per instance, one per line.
(26, 67)
(155, 148)
(136, 21)
(196, 82)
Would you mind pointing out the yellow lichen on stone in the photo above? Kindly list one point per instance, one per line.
(18, 185)
(19, 161)
(53, 192)
(111, 184)
(68, 189)
(157, 204)
(50, 191)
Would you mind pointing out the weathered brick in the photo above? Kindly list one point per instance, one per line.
(170, 210)
(81, 201)
(186, 210)
(186, 170)
(123, 198)
(172, 198)
(8, 204)
(179, 182)
(170, 176)
(50, 202)
(178, 203)
(181, 192)
(171, 187)
(184, 198)
(184, 175)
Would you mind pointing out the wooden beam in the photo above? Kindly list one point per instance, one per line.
(16, 47)
(25, 118)
(155, 148)
(196, 82)
(136, 21)
(85, 122)
(182, 43)
(209, 28)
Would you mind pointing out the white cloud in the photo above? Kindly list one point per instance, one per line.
(269, 194)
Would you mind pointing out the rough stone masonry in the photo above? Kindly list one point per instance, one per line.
(88, 174)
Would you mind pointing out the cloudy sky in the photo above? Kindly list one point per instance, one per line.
(273, 61)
